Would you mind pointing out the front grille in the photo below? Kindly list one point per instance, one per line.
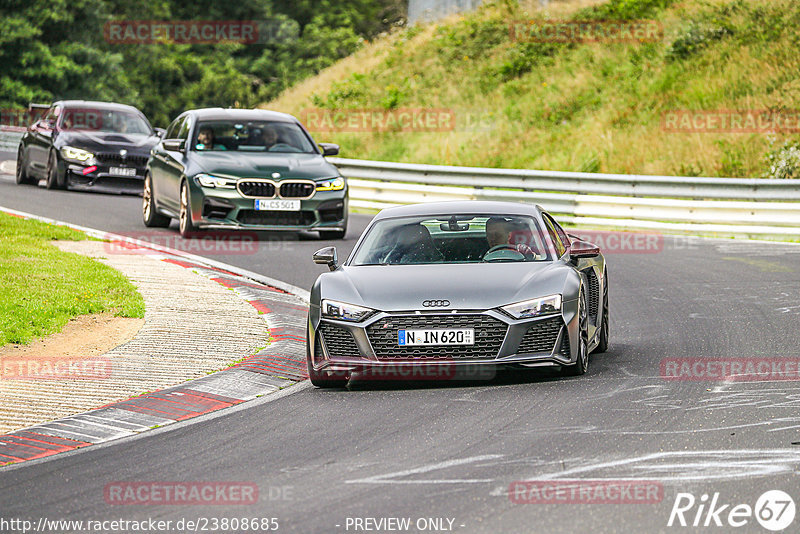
(541, 337)
(256, 189)
(593, 296)
(276, 218)
(339, 342)
(107, 159)
(489, 336)
(296, 189)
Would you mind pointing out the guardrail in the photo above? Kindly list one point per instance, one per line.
(721, 206)
(9, 139)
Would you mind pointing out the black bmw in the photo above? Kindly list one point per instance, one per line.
(96, 145)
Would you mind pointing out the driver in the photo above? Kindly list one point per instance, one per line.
(269, 136)
(498, 234)
(206, 138)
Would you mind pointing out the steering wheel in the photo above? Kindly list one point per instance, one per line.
(503, 252)
(282, 147)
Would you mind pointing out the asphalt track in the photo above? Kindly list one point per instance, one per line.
(324, 459)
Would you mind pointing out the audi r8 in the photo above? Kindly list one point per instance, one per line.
(461, 283)
(239, 169)
(98, 145)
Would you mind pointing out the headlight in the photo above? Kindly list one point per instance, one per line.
(534, 307)
(206, 180)
(76, 154)
(342, 311)
(334, 184)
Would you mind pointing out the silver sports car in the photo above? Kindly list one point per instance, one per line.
(455, 285)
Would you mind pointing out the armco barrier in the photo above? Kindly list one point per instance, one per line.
(723, 206)
(9, 138)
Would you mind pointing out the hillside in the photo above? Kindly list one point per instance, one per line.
(583, 106)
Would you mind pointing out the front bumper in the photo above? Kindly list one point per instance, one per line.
(500, 341)
(227, 209)
(102, 180)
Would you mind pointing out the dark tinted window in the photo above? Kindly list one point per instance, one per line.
(252, 136)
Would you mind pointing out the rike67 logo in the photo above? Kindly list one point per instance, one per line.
(774, 510)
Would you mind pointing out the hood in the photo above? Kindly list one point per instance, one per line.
(466, 286)
(94, 141)
(263, 164)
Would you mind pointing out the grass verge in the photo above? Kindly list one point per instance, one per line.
(42, 288)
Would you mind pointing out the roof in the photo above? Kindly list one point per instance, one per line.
(96, 105)
(241, 114)
(487, 207)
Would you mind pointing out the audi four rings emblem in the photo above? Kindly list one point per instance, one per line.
(435, 303)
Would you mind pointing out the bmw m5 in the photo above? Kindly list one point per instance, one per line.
(243, 169)
(463, 283)
(97, 145)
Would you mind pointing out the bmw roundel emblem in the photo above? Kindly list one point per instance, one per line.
(276, 175)
(123, 152)
(436, 303)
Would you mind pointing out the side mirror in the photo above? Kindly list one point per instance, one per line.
(329, 149)
(326, 256)
(583, 249)
(174, 145)
(160, 132)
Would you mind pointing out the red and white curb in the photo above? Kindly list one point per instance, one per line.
(281, 364)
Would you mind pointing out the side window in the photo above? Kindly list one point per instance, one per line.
(183, 133)
(560, 247)
(561, 233)
(52, 114)
(174, 128)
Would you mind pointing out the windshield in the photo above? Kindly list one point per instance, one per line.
(453, 239)
(252, 136)
(104, 120)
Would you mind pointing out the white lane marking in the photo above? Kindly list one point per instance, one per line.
(387, 478)
(8, 167)
(682, 466)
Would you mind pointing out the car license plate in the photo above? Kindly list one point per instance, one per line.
(441, 336)
(277, 205)
(122, 171)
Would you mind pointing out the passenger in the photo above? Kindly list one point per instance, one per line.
(414, 245)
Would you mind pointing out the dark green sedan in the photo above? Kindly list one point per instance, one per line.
(243, 169)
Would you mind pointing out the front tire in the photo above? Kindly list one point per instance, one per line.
(22, 169)
(582, 364)
(150, 215)
(186, 226)
(56, 178)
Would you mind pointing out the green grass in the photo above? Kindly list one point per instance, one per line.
(593, 107)
(42, 288)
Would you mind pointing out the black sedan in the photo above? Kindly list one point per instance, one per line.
(97, 145)
(431, 289)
